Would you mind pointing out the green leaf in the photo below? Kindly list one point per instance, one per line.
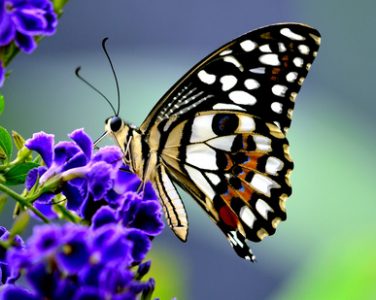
(2, 103)
(2, 154)
(17, 174)
(20, 224)
(19, 141)
(6, 142)
(3, 201)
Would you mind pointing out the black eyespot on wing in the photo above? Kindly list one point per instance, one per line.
(115, 123)
(224, 124)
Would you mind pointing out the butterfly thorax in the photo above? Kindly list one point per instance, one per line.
(131, 141)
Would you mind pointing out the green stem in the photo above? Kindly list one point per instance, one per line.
(23, 201)
(67, 214)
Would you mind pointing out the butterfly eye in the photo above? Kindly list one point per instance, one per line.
(115, 124)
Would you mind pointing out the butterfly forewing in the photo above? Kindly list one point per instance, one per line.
(260, 72)
(220, 133)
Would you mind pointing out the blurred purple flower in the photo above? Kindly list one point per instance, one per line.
(4, 266)
(75, 262)
(22, 20)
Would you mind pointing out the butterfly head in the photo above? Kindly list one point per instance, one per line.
(114, 124)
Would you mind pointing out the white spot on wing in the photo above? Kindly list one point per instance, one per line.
(226, 52)
(263, 208)
(291, 35)
(281, 47)
(202, 129)
(248, 45)
(265, 48)
(251, 84)
(263, 184)
(205, 77)
(226, 106)
(200, 181)
(260, 70)
(214, 178)
(234, 61)
(247, 216)
(277, 107)
(223, 143)
(246, 124)
(241, 97)
(228, 82)
(273, 165)
(263, 143)
(304, 49)
(298, 62)
(269, 59)
(292, 76)
(279, 90)
(201, 156)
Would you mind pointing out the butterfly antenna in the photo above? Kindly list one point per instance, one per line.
(113, 72)
(77, 72)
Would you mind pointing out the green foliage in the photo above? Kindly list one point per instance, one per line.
(344, 269)
(19, 141)
(17, 174)
(20, 223)
(2, 103)
(3, 201)
(6, 145)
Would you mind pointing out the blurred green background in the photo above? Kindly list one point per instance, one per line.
(327, 247)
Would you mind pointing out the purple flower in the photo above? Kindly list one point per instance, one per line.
(78, 262)
(82, 176)
(5, 272)
(22, 20)
(90, 181)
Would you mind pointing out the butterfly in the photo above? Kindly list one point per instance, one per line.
(220, 134)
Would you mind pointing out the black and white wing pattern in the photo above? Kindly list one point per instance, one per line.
(221, 131)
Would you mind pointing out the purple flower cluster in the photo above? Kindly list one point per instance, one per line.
(78, 262)
(88, 180)
(21, 21)
(101, 261)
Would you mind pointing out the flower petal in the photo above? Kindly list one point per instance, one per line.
(148, 217)
(74, 196)
(42, 143)
(110, 154)
(89, 293)
(65, 151)
(12, 292)
(83, 141)
(141, 244)
(33, 175)
(99, 179)
(44, 205)
(110, 241)
(25, 42)
(7, 30)
(29, 21)
(75, 251)
(104, 215)
(45, 239)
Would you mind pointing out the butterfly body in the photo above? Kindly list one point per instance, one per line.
(220, 133)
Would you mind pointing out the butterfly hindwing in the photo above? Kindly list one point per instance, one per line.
(237, 167)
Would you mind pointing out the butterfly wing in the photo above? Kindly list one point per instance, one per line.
(221, 130)
(260, 72)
